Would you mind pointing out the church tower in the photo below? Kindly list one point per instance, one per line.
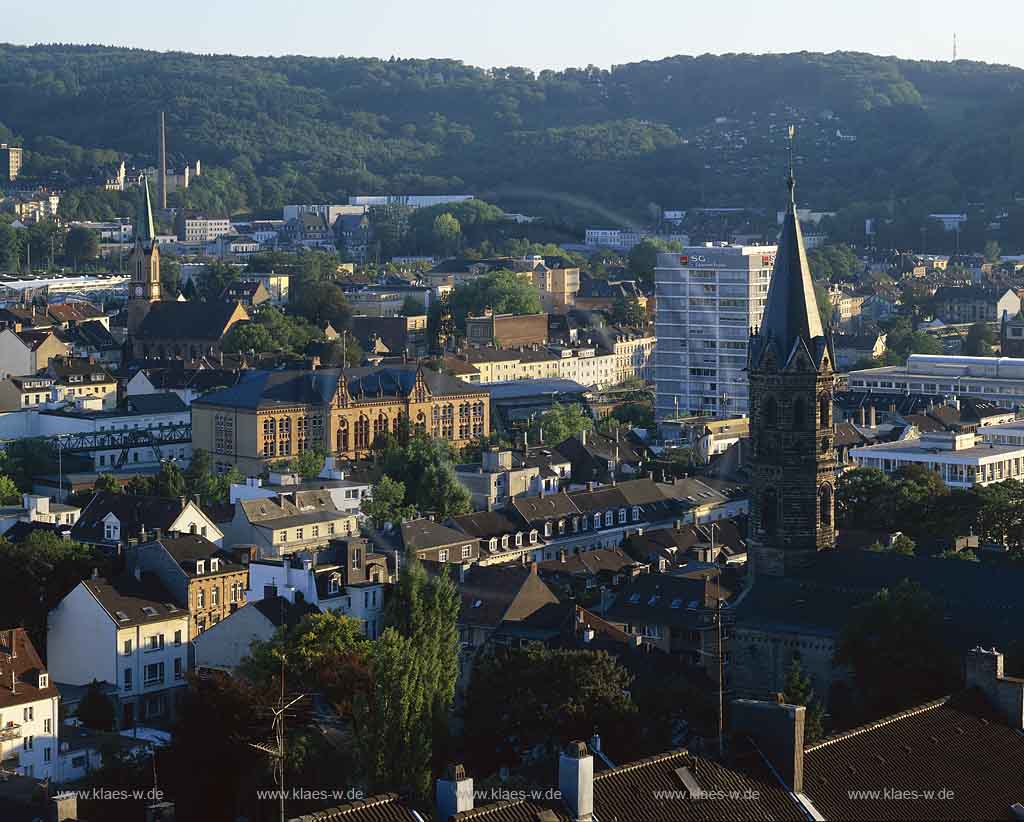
(144, 264)
(791, 376)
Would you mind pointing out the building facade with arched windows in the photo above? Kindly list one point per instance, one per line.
(273, 415)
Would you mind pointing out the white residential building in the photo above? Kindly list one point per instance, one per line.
(29, 709)
(348, 579)
(128, 632)
(709, 297)
(962, 460)
(38, 508)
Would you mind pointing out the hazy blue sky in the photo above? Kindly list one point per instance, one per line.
(533, 33)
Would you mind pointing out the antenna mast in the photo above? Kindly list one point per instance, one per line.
(954, 46)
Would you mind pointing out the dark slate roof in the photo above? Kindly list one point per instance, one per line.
(130, 601)
(187, 548)
(21, 531)
(549, 506)
(665, 599)
(486, 524)
(791, 311)
(956, 743)
(93, 334)
(169, 319)
(424, 534)
(981, 603)
(262, 389)
(589, 563)
(280, 611)
(133, 512)
(160, 403)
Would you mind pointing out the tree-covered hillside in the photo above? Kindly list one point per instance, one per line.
(678, 132)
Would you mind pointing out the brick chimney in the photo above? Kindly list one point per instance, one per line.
(778, 731)
(576, 781)
(985, 672)
(454, 793)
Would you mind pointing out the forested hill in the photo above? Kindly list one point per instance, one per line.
(678, 132)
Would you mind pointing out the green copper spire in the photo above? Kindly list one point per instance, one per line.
(146, 232)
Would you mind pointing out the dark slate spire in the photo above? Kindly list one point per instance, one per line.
(791, 311)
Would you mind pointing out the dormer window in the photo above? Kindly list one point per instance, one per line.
(533, 537)
(44, 681)
(214, 565)
(622, 516)
(561, 526)
(519, 538)
(504, 543)
(334, 584)
(597, 521)
(547, 529)
(493, 544)
(636, 513)
(608, 518)
(200, 566)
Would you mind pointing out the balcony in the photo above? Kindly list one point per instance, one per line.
(11, 731)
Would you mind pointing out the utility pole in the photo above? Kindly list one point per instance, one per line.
(721, 665)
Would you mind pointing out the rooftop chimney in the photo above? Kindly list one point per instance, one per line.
(778, 731)
(576, 781)
(872, 419)
(454, 793)
(861, 417)
(985, 672)
(269, 591)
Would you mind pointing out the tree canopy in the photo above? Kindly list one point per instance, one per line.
(504, 292)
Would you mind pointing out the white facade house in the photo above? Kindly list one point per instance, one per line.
(999, 379)
(962, 460)
(38, 508)
(29, 709)
(127, 632)
(708, 299)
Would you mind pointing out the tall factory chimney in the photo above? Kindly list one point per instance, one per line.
(163, 163)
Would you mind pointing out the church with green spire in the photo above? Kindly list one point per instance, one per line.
(144, 264)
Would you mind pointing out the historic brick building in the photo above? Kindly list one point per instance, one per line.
(269, 415)
(791, 384)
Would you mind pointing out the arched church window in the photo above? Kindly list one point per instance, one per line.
(825, 505)
(825, 410)
(770, 411)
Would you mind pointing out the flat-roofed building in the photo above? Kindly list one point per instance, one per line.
(962, 460)
(1000, 379)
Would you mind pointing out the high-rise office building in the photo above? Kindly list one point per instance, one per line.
(708, 299)
(10, 162)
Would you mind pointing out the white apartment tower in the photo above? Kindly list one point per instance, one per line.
(709, 297)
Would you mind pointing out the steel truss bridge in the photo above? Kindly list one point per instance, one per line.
(123, 441)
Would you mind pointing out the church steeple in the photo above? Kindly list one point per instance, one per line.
(791, 311)
(146, 232)
(792, 473)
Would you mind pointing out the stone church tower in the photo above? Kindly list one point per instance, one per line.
(792, 510)
(144, 264)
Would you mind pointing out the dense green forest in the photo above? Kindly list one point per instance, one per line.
(676, 133)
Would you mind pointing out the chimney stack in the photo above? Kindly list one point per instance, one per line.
(861, 417)
(872, 418)
(454, 793)
(576, 781)
(778, 731)
(985, 672)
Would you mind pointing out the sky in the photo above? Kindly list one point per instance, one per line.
(537, 34)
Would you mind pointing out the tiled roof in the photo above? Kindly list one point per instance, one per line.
(589, 563)
(663, 599)
(957, 744)
(21, 670)
(164, 402)
(387, 807)
(537, 509)
(493, 594)
(280, 611)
